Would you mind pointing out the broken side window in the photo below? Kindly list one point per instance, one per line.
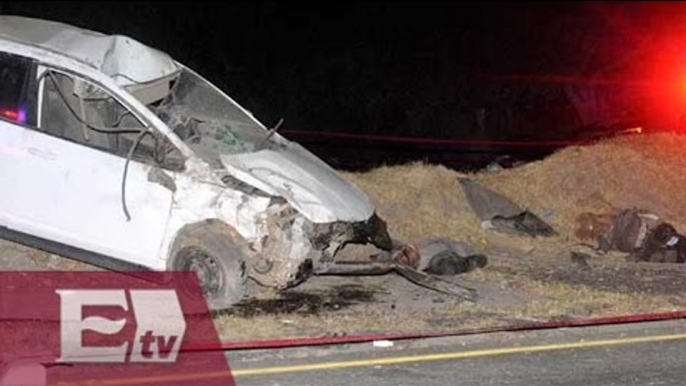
(82, 112)
(17, 89)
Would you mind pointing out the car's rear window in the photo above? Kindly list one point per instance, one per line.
(15, 75)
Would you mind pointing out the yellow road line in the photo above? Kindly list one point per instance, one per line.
(397, 360)
(455, 355)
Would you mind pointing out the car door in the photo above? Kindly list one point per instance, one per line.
(72, 174)
(17, 112)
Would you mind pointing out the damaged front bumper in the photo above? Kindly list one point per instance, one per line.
(294, 248)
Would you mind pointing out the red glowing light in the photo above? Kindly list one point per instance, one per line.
(15, 115)
(10, 114)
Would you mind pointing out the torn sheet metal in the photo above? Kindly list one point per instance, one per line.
(501, 214)
(420, 278)
(437, 284)
(486, 203)
(415, 262)
(525, 223)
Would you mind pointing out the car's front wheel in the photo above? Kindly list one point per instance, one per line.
(218, 260)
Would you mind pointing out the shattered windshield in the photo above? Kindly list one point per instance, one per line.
(208, 121)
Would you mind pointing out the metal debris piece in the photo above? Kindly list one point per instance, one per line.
(413, 262)
(523, 223)
(420, 278)
(486, 203)
(437, 284)
(357, 268)
(662, 245)
(501, 214)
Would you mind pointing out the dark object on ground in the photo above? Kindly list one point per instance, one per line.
(662, 245)
(580, 260)
(443, 257)
(420, 278)
(410, 261)
(449, 263)
(627, 233)
(501, 214)
(523, 223)
(644, 238)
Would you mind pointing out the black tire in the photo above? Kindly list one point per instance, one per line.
(219, 261)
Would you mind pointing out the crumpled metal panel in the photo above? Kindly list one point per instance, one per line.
(124, 59)
(486, 203)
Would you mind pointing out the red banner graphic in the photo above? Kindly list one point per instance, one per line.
(107, 328)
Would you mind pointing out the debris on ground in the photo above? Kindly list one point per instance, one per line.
(662, 245)
(500, 213)
(525, 223)
(446, 257)
(421, 263)
(602, 177)
(628, 231)
(638, 233)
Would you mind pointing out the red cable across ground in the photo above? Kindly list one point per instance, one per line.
(362, 338)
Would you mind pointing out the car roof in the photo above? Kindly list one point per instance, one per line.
(124, 59)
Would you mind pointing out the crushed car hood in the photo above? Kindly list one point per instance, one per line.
(307, 183)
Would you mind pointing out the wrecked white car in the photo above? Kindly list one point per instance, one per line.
(113, 153)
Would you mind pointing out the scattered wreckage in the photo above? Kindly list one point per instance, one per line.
(113, 153)
(640, 234)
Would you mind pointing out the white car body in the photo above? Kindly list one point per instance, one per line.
(68, 193)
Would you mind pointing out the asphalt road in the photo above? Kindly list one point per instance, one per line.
(635, 354)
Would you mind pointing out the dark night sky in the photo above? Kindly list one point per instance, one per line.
(406, 69)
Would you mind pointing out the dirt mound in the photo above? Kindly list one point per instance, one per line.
(641, 171)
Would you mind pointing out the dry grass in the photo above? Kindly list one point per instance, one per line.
(325, 324)
(419, 200)
(645, 172)
(564, 300)
(639, 171)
